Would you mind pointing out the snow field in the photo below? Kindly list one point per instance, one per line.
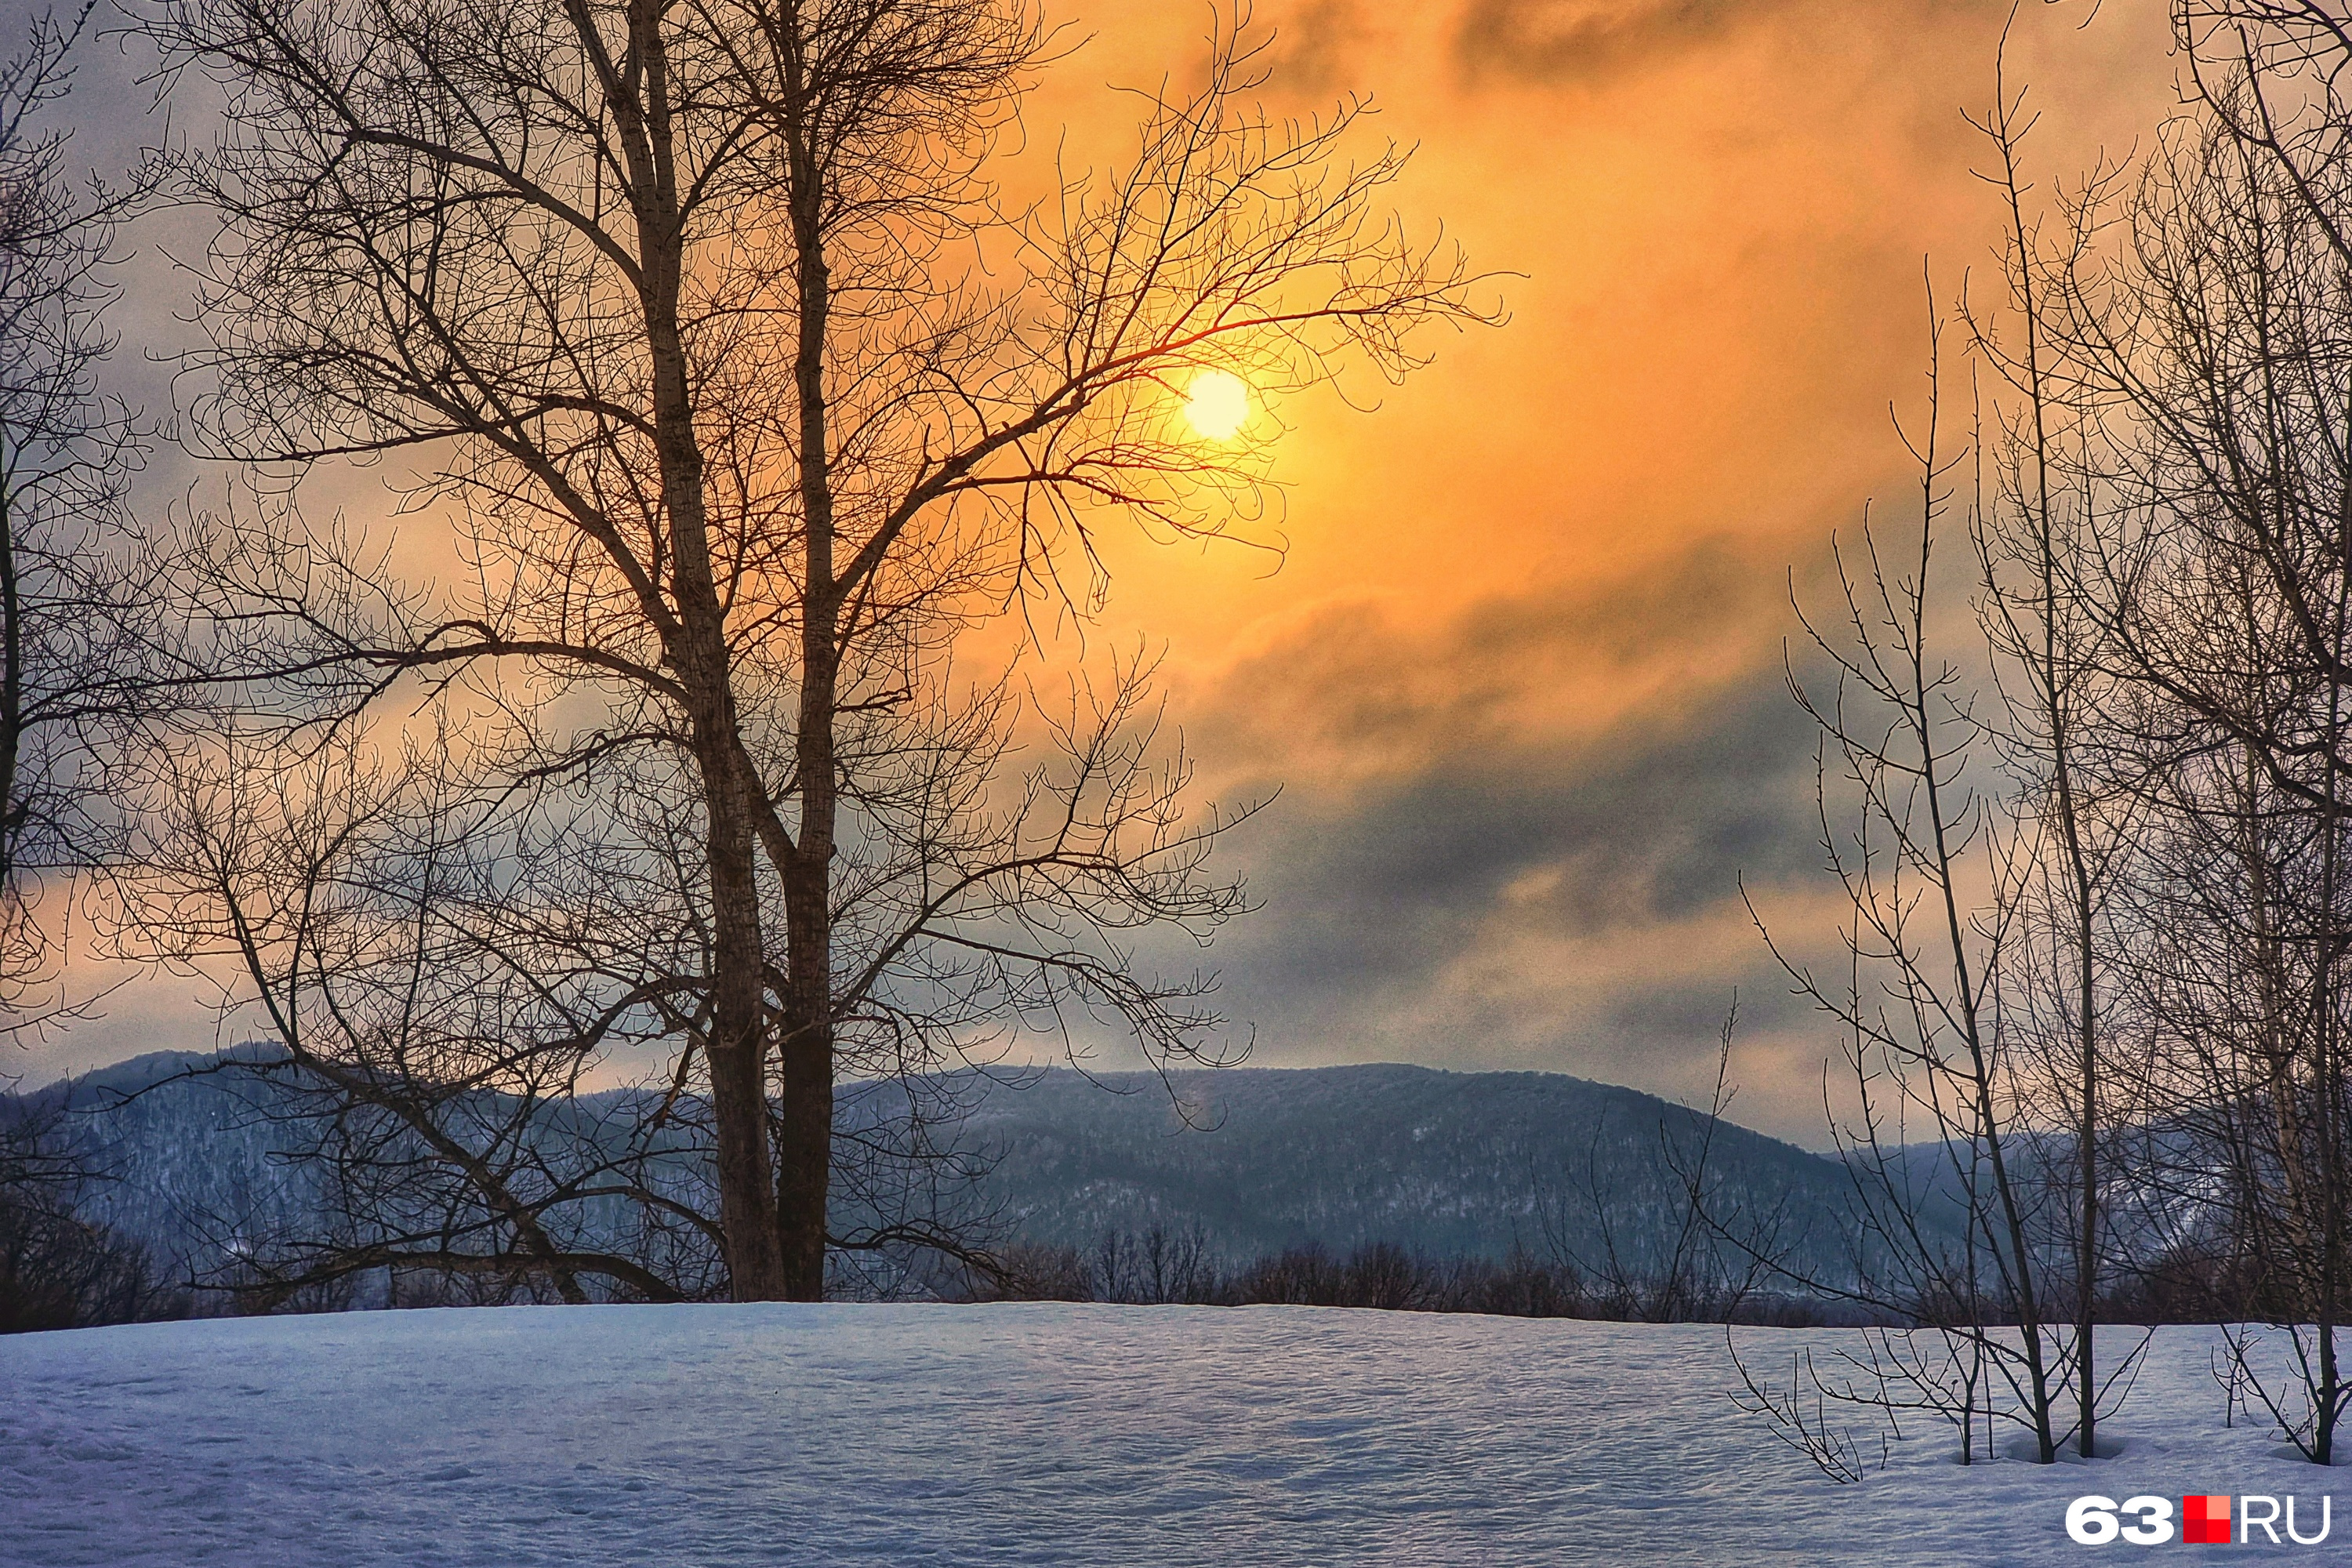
(1032, 1434)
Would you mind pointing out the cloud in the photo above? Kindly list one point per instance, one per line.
(1509, 888)
(1567, 42)
(1581, 43)
(1519, 681)
(1642, 827)
(1526, 838)
(1319, 40)
(1353, 692)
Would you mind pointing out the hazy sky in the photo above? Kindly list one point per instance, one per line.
(1519, 675)
(1519, 672)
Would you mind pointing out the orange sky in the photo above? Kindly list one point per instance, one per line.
(1521, 652)
(1563, 548)
(1721, 230)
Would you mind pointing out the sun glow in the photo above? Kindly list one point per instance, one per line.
(1218, 404)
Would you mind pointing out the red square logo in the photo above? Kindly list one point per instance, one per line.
(2205, 1519)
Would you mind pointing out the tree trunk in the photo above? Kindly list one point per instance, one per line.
(737, 1048)
(804, 1119)
(12, 676)
(804, 1111)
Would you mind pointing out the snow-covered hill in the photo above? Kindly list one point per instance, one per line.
(1049, 1434)
(1447, 1162)
(1444, 1163)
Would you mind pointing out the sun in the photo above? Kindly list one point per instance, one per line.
(1218, 404)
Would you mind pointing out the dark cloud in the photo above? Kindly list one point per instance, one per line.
(1641, 825)
(1568, 43)
(1347, 688)
(1575, 41)
(1317, 43)
(1567, 902)
(1519, 886)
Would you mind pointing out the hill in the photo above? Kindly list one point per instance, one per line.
(1258, 1160)
(1446, 1162)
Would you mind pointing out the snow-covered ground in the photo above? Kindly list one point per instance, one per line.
(690, 1436)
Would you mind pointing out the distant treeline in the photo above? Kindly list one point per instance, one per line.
(60, 1270)
(1161, 1266)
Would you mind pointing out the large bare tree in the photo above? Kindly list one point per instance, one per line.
(743, 392)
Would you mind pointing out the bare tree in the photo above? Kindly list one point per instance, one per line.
(80, 666)
(78, 586)
(428, 1081)
(2074, 825)
(2209, 337)
(1969, 992)
(746, 395)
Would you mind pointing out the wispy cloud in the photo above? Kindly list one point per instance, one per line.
(1575, 41)
(1584, 42)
